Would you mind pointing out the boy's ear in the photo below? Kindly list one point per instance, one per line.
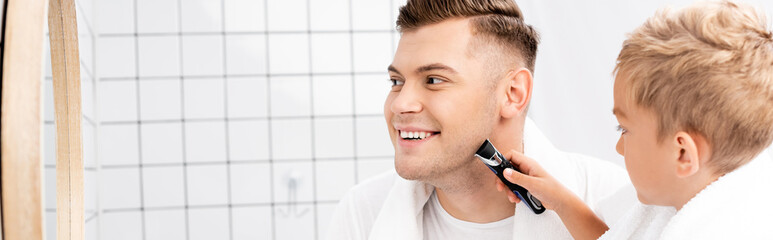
(518, 84)
(693, 152)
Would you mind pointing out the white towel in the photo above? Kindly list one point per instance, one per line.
(739, 205)
(401, 215)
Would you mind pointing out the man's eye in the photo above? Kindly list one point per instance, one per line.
(433, 80)
(396, 82)
(621, 129)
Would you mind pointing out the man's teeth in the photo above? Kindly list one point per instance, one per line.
(414, 135)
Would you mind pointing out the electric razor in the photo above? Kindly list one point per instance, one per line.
(497, 163)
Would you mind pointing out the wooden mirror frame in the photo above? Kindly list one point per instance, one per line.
(21, 165)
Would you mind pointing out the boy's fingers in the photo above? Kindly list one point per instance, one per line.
(519, 178)
(513, 199)
(522, 162)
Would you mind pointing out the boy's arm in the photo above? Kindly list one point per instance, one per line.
(578, 218)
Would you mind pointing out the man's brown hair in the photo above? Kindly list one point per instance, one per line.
(705, 69)
(499, 20)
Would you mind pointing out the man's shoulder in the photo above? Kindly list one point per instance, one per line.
(369, 195)
(359, 207)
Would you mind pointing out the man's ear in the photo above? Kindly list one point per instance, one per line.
(518, 84)
(693, 153)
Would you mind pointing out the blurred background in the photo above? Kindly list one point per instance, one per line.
(249, 119)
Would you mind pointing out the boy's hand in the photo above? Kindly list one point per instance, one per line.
(535, 179)
(578, 218)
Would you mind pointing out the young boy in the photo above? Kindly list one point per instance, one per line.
(693, 96)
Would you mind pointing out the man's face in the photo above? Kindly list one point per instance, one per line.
(441, 106)
(646, 160)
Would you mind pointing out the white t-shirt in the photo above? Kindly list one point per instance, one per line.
(359, 214)
(441, 225)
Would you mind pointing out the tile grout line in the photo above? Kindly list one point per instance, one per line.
(182, 119)
(312, 122)
(139, 116)
(354, 95)
(169, 77)
(227, 123)
(269, 120)
(117, 35)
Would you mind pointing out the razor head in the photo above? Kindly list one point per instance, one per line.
(488, 154)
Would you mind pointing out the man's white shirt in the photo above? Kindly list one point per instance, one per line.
(389, 207)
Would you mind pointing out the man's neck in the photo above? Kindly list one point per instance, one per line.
(474, 197)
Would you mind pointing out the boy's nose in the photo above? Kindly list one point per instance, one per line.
(619, 147)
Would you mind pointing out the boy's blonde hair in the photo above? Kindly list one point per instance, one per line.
(706, 69)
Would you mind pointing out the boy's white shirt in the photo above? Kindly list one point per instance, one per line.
(389, 207)
(739, 205)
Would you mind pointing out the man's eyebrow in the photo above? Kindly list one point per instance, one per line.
(618, 112)
(393, 69)
(435, 66)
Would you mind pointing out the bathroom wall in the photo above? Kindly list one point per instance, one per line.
(238, 119)
(249, 119)
(89, 124)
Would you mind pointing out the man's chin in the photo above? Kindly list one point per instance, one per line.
(412, 169)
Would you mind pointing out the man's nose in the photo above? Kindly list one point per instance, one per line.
(407, 101)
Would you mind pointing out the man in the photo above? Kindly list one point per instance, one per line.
(462, 73)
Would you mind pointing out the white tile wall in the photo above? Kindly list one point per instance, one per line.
(49, 142)
(119, 144)
(119, 188)
(237, 119)
(367, 168)
(370, 91)
(333, 95)
(288, 53)
(116, 56)
(204, 98)
(162, 143)
(252, 223)
(159, 56)
(250, 183)
(247, 97)
(329, 15)
(165, 224)
(115, 16)
(207, 185)
(328, 46)
(324, 214)
(205, 141)
(202, 55)
(290, 96)
(121, 226)
(160, 99)
(334, 178)
(157, 16)
(291, 139)
(248, 140)
(202, 15)
(371, 53)
(287, 219)
(334, 137)
(245, 15)
(373, 137)
(246, 54)
(287, 15)
(50, 185)
(371, 15)
(89, 144)
(208, 223)
(118, 101)
(163, 186)
(293, 182)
